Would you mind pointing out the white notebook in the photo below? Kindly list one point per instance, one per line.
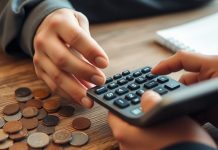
(199, 35)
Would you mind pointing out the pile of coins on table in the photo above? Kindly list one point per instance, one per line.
(30, 124)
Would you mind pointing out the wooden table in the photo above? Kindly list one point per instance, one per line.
(129, 45)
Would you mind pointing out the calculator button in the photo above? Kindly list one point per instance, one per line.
(130, 96)
(109, 96)
(133, 86)
(172, 85)
(112, 85)
(117, 76)
(108, 80)
(160, 90)
(162, 79)
(150, 84)
(125, 73)
(122, 81)
(121, 103)
(101, 90)
(146, 70)
(136, 74)
(129, 78)
(140, 92)
(135, 101)
(136, 111)
(151, 76)
(140, 80)
(121, 91)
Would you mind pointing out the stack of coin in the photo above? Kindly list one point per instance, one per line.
(23, 94)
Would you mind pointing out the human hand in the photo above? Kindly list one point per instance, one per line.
(66, 57)
(157, 137)
(200, 67)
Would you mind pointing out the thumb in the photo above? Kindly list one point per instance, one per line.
(149, 100)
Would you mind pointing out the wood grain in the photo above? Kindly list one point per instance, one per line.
(129, 45)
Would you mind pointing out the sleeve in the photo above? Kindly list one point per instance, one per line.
(109, 10)
(19, 20)
(189, 146)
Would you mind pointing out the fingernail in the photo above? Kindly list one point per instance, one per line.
(86, 102)
(101, 62)
(98, 80)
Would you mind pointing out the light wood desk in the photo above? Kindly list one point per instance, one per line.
(129, 45)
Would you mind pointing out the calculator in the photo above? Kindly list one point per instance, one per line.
(121, 95)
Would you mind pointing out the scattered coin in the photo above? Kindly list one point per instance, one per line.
(53, 146)
(79, 138)
(38, 140)
(19, 135)
(51, 120)
(29, 112)
(45, 129)
(12, 127)
(61, 137)
(34, 103)
(22, 106)
(30, 123)
(52, 105)
(15, 117)
(2, 122)
(6, 144)
(3, 135)
(41, 94)
(19, 146)
(81, 123)
(24, 99)
(42, 114)
(11, 109)
(22, 92)
(66, 111)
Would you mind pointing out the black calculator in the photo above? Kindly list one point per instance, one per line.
(121, 95)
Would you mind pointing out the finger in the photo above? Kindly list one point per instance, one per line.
(80, 40)
(83, 21)
(181, 60)
(149, 100)
(62, 57)
(189, 78)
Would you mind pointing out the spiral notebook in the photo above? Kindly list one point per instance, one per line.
(199, 35)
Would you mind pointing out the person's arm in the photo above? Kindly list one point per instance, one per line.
(19, 21)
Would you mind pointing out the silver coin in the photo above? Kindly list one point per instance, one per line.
(6, 144)
(38, 140)
(15, 117)
(3, 136)
(2, 122)
(24, 99)
(62, 136)
(79, 138)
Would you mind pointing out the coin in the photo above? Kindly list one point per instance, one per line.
(11, 109)
(13, 117)
(81, 123)
(12, 127)
(41, 94)
(34, 103)
(19, 146)
(30, 123)
(53, 146)
(50, 120)
(22, 106)
(61, 136)
(29, 112)
(46, 129)
(22, 92)
(6, 144)
(52, 105)
(66, 111)
(79, 138)
(19, 135)
(42, 114)
(38, 140)
(2, 122)
(24, 99)
(3, 135)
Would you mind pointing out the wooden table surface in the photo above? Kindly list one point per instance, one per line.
(129, 45)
